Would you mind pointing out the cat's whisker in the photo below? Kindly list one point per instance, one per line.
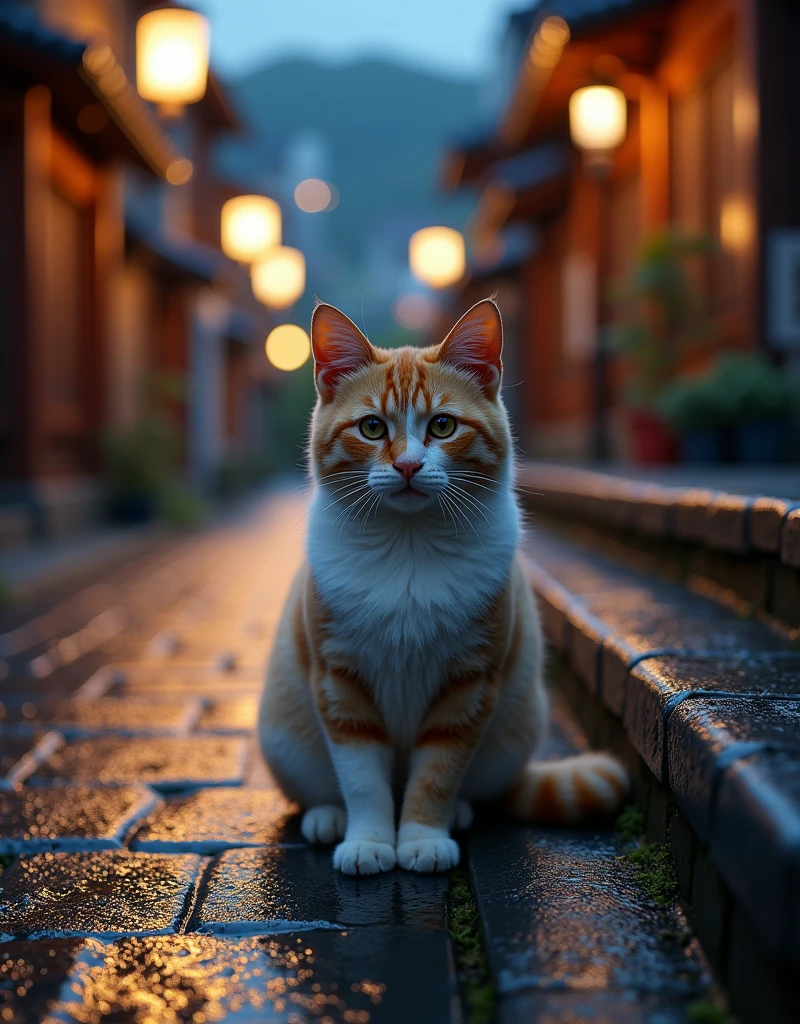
(373, 504)
(358, 501)
(450, 507)
(474, 483)
(444, 512)
(466, 509)
(472, 496)
(350, 495)
(478, 505)
(342, 497)
(462, 511)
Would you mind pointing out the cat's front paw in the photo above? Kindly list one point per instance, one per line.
(364, 857)
(323, 824)
(428, 855)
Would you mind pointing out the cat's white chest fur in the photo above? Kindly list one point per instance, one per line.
(406, 594)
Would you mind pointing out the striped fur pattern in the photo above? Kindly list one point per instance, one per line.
(406, 679)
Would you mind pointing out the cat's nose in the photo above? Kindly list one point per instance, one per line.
(407, 467)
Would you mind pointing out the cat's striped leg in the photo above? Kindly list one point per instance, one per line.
(448, 738)
(362, 757)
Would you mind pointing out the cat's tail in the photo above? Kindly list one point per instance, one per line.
(582, 788)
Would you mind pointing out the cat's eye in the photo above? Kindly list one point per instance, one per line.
(442, 426)
(372, 428)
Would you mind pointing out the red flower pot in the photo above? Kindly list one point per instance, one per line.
(652, 442)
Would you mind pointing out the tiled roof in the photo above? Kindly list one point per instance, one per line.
(186, 256)
(532, 167)
(21, 25)
(77, 72)
(583, 14)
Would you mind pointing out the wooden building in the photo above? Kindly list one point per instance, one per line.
(711, 88)
(110, 266)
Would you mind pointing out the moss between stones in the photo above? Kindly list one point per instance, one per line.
(655, 872)
(630, 824)
(473, 967)
(707, 1012)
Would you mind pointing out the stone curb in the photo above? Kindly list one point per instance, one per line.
(719, 521)
(718, 721)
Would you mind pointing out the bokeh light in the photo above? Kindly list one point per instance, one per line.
(414, 311)
(279, 277)
(598, 117)
(180, 171)
(288, 347)
(436, 256)
(250, 226)
(736, 224)
(172, 56)
(313, 195)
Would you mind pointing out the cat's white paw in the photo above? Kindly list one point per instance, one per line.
(364, 857)
(428, 854)
(323, 824)
(463, 816)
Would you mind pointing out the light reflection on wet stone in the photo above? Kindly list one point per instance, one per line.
(123, 716)
(564, 910)
(110, 892)
(334, 978)
(287, 889)
(215, 819)
(235, 714)
(64, 818)
(33, 976)
(20, 756)
(164, 763)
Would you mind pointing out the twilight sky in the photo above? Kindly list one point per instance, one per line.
(455, 36)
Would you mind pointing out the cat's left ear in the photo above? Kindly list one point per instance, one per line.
(339, 348)
(476, 344)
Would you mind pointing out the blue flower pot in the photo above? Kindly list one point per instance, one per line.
(762, 441)
(134, 509)
(702, 446)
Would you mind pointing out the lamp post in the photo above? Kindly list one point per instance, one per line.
(249, 227)
(598, 123)
(436, 256)
(279, 277)
(172, 46)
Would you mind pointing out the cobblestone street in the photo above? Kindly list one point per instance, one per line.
(155, 873)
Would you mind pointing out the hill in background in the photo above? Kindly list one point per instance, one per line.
(384, 127)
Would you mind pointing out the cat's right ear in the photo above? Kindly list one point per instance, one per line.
(339, 348)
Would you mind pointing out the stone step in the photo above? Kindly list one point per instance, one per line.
(569, 926)
(708, 705)
(571, 933)
(739, 527)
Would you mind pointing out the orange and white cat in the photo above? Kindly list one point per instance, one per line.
(408, 661)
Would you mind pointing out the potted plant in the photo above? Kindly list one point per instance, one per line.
(698, 411)
(661, 316)
(141, 460)
(763, 402)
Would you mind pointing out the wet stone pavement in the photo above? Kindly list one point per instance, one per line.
(154, 873)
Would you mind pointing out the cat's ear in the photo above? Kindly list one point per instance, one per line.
(475, 344)
(339, 348)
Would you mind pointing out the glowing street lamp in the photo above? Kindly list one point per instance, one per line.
(279, 277)
(250, 226)
(436, 256)
(598, 120)
(172, 47)
(288, 347)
